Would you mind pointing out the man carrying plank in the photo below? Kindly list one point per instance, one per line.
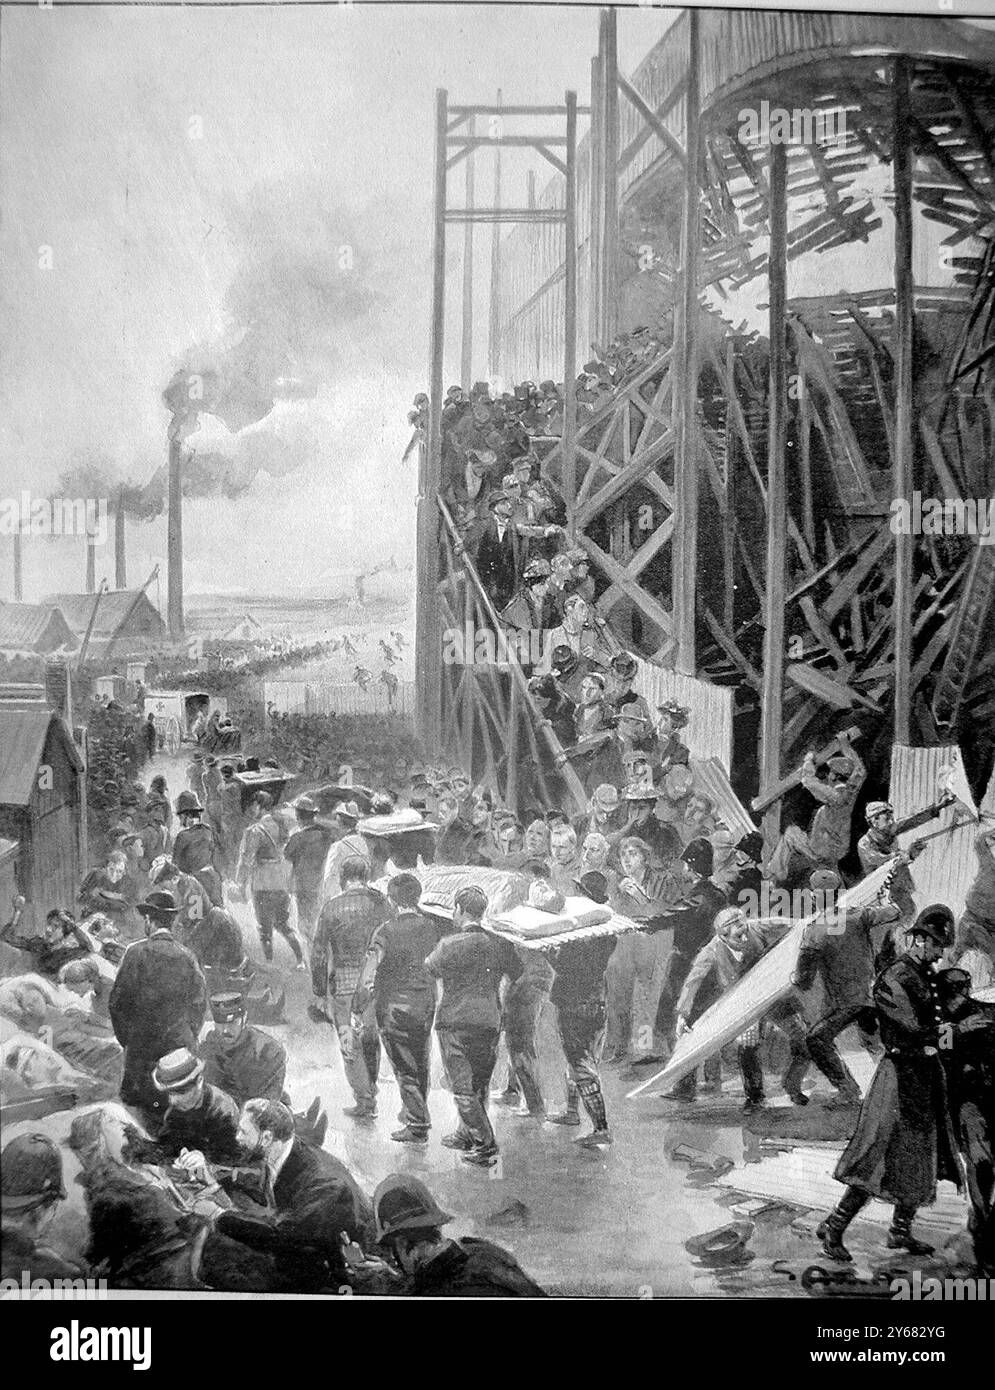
(735, 948)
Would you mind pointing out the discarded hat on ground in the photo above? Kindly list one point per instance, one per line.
(30, 1173)
(176, 1070)
(186, 801)
(721, 1245)
(403, 1203)
(822, 879)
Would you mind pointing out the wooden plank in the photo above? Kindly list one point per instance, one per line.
(751, 997)
(686, 365)
(903, 346)
(777, 507)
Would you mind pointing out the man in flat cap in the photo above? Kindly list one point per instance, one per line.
(409, 1229)
(157, 1003)
(240, 1058)
(31, 1188)
(904, 1140)
(880, 843)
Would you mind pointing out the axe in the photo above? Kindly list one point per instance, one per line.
(760, 803)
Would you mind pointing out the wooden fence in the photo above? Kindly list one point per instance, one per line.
(321, 697)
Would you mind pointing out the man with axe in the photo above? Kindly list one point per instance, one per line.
(827, 840)
(880, 843)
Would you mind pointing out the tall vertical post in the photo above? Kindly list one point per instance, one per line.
(174, 538)
(685, 396)
(494, 322)
(902, 462)
(466, 347)
(777, 509)
(91, 567)
(120, 553)
(595, 180)
(427, 641)
(570, 320)
(18, 565)
(609, 196)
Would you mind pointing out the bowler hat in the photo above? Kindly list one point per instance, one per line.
(678, 714)
(404, 1203)
(305, 804)
(159, 903)
(698, 856)
(176, 1070)
(30, 1173)
(594, 885)
(186, 801)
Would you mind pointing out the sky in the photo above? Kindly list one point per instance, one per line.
(165, 175)
(159, 153)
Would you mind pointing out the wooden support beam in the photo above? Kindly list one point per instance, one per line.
(654, 122)
(427, 636)
(595, 184)
(685, 364)
(466, 343)
(494, 315)
(609, 195)
(777, 509)
(902, 457)
(569, 477)
(647, 129)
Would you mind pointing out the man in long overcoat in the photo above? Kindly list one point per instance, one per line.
(157, 1003)
(904, 1140)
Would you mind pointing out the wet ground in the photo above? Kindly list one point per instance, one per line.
(603, 1222)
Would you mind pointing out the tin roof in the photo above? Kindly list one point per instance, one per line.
(23, 733)
(33, 627)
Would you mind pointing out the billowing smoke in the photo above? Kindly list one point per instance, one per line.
(302, 293)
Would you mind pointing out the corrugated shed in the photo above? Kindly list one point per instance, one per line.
(711, 778)
(22, 741)
(709, 731)
(111, 611)
(33, 627)
(947, 866)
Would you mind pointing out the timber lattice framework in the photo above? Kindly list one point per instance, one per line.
(767, 462)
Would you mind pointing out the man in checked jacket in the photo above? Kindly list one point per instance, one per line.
(345, 928)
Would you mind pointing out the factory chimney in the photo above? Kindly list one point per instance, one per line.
(174, 538)
(120, 558)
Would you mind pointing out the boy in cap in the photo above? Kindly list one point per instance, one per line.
(31, 1188)
(409, 1222)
